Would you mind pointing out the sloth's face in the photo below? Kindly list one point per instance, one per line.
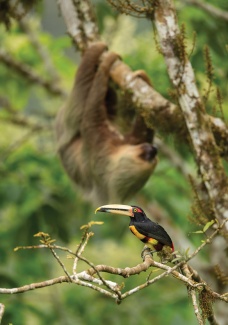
(130, 168)
(141, 156)
(148, 152)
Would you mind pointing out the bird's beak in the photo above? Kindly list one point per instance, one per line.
(116, 209)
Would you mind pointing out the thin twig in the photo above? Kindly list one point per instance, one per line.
(209, 8)
(2, 309)
(65, 249)
(26, 72)
(60, 262)
(22, 121)
(207, 241)
(80, 250)
(32, 34)
(18, 143)
(78, 254)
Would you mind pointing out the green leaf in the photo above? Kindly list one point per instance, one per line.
(198, 232)
(208, 225)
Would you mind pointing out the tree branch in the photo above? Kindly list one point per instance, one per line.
(2, 309)
(113, 290)
(193, 294)
(84, 278)
(208, 8)
(32, 34)
(182, 76)
(159, 113)
(26, 72)
(80, 21)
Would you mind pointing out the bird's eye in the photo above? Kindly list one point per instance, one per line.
(135, 210)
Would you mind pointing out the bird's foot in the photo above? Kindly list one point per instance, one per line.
(147, 251)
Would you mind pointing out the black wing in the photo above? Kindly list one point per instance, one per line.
(151, 229)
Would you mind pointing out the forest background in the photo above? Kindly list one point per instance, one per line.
(36, 195)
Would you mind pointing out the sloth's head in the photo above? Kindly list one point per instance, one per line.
(129, 168)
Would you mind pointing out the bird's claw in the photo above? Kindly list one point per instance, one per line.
(146, 251)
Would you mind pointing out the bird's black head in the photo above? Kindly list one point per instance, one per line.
(138, 213)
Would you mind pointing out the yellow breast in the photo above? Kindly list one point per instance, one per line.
(136, 233)
(150, 242)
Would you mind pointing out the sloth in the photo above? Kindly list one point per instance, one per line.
(106, 164)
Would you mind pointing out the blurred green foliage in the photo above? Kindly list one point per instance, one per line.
(36, 195)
